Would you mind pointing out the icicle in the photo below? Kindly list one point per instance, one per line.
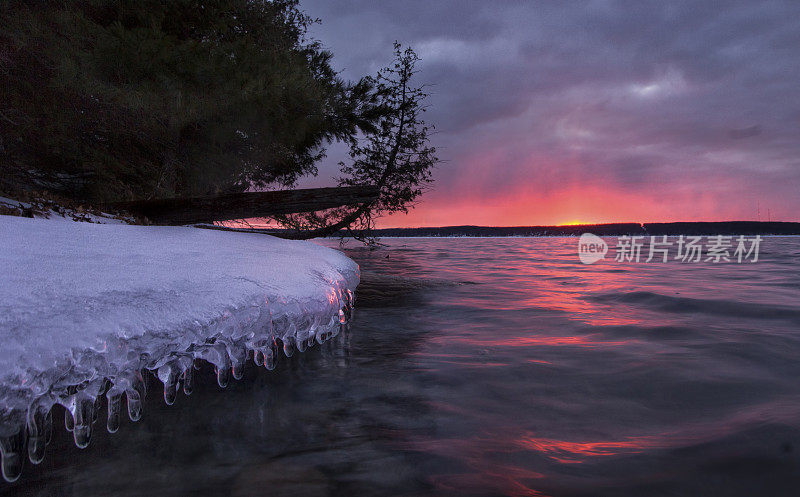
(301, 345)
(334, 331)
(344, 300)
(288, 346)
(12, 448)
(237, 371)
(114, 399)
(350, 306)
(223, 376)
(258, 358)
(135, 396)
(217, 354)
(188, 380)
(265, 353)
(332, 328)
(82, 408)
(271, 354)
(69, 423)
(320, 335)
(169, 374)
(98, 404)
(238, 357)
(40, 431)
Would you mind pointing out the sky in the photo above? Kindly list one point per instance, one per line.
(551, 112)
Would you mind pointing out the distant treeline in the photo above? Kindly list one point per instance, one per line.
(613, 229)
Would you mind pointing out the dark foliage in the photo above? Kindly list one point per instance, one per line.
(113, 100)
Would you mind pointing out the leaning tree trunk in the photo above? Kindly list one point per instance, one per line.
(177, 211)
(349, 219)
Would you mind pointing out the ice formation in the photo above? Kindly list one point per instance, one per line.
(85, 309)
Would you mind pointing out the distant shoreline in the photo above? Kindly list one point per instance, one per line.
(610, 229)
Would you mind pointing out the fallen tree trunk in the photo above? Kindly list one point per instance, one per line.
(177, 211)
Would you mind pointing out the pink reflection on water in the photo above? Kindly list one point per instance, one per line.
(505, 479)
(538, 340)
(576, 452)
(485, 475)
(527, 430)
(565, 290)
(489, 454)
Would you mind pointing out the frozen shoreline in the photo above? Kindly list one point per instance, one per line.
(85, 307)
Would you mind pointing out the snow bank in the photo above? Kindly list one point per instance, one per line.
(85, 307)
(43, 209)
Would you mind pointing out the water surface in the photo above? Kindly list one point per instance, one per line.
(493, 367)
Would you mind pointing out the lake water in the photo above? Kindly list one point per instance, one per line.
(492, 367)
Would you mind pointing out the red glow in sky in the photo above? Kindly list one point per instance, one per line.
(644, 115)
(573, 205)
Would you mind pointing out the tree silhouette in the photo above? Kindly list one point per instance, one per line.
(395, 156)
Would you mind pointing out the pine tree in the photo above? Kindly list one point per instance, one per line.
(113, 100)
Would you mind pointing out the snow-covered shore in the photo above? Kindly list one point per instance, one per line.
(85, 307)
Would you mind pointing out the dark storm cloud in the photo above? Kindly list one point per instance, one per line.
(696, 96)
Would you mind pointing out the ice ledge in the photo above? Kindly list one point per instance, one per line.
(85, 307)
